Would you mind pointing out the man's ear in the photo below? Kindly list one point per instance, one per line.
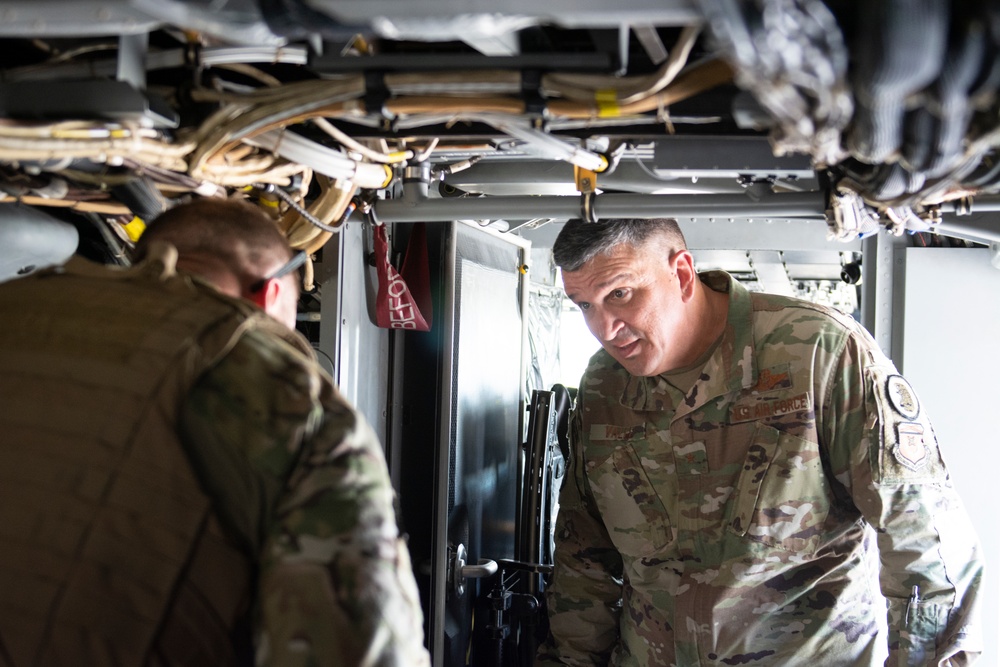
(686, 275)
(267, 295)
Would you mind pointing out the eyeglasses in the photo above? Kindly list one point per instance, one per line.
(297, 260)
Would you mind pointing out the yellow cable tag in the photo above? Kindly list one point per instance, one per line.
(607, 103)
(135, 228)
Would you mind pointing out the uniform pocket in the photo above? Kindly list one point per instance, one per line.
(782, 497)
(634, 514)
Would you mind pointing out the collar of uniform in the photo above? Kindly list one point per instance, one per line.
(650, 393)
(160, 262)
(79, 266)
(732, 367)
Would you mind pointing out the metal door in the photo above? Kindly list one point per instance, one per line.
(476, 349)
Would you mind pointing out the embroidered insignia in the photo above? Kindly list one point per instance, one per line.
(910, 449)
(765, 409)
(615, 432)
(691, 459)
(773, 378)
(902, 397)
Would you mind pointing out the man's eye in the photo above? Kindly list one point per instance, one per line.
(618, 293)
(583, 306)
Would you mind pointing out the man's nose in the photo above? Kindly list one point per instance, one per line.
(604, 324)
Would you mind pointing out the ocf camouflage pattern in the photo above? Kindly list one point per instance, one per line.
(761, 518)
(297, 478)
(302, 478)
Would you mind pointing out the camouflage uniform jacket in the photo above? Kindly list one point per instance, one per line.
(746, 522)
(301, 477)
(296, 477)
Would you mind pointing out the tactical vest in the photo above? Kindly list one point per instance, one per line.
(110, 553)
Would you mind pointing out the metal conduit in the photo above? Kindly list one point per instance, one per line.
(962, 220)
(412, 208)
(976, 204)
(970, 230)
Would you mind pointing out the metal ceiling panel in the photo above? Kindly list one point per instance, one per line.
(569, 13)
(239, 21)
(72, 18)
(727, 156)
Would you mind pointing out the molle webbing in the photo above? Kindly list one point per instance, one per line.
(104, 532)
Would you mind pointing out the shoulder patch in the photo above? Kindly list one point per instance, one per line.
(904, 447)
(902, 398)
(910, 450)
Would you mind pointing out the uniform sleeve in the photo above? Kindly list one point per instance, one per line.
(584, 598)
(884, 451)
(300, 477)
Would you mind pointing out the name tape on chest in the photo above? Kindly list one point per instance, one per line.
(744, 412)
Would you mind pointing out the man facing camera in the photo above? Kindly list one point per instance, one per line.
(749, 478)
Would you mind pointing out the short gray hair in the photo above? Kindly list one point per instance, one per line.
(579, 241)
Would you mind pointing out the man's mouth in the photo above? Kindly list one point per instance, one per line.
(627, 349)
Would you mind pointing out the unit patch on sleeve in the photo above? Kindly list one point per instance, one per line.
(902, 397)
(908, 452)
(910, 449)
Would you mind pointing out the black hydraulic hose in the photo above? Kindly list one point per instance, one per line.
(964, 63)
(900, 47)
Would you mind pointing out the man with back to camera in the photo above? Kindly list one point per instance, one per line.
(180, 483)
(747, 473)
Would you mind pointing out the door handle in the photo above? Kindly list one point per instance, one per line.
(459, 570)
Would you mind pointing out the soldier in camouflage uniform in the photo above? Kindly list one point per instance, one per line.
(751, 481)
(180, 483)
